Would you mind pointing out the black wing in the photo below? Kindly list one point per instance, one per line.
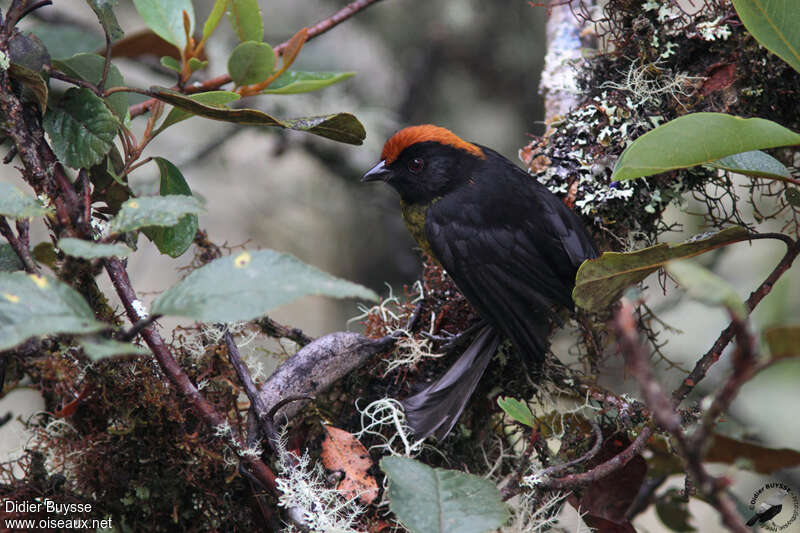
(513, 249)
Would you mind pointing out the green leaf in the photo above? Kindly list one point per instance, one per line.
(82, 128)
(783, 341)
(296, 81)
(435, 500)
(33, 305)
(245, 18)
(16, 204)
(174, 240)
(165, 18)
(153, 211)
(104, 9)
(25, 49)
(65, 41)
(9, 261)
(705, 286)
(342, 127)
(697, 139)
(210, 98)
(195, 64)
(517, 410)
(91, 250)
(99, 348)
(251, 62)
(673, 511)
(775, 24)
(214, 17)
(793, 196)
(754, 163)
(248, 285)
(33, 81)
(170, 63)
(600, 281)
(89, 67)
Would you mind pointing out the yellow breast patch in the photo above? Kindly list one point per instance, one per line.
(414, 217)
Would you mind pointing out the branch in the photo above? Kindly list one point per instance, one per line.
(19, 245)
(663, 412)
(315, 368)
(279, 331)
(315, 31)
(712, 356)
(119, 278)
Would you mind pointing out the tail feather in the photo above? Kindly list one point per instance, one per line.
(435, 409)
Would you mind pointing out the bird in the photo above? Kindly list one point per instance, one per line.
(510, 245)
(769, 508)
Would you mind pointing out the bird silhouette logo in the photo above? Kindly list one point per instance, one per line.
(775, 506)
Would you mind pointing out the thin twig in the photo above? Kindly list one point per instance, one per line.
(206, 411)
(314, 31)
(19, 245)
(107, 62)
(712, 355)
(279, 331)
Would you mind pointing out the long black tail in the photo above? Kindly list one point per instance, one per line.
(435, 409)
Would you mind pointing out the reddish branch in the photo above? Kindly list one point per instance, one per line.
(712, 356)
(691, 450)
(122, 284)
(314, 31)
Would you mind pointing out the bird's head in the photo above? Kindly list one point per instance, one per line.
(425, 162)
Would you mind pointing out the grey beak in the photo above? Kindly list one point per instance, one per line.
(376, 173)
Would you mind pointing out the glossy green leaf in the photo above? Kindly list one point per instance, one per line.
(705, 286)
(754, 163)
(697, 139)
(91, 250)
(104, 9)
(296, 81)
(153, 211)
(600, 281)
(251, 62)
(33, 81)
(174, 240)
(82, 128)
(9, 261)
(517, 410)
(211, 98)
(435, 500)
(249, 284)
(64, 41)
(89, 67)
(342, 127)
(245, 18)
(214, 17)
(775, 24)
(165, 18)
(99, 348)
(783, 341)
(16, 204)
(170, 63)
(33, 305)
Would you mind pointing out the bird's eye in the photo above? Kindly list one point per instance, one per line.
(416, 165)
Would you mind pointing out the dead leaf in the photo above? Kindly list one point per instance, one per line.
(764, 460)
(341, 451)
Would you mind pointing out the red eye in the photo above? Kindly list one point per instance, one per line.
(416, 165)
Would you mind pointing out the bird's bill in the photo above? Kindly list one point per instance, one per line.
(376, 173)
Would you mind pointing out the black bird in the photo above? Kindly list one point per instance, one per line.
(511, 246)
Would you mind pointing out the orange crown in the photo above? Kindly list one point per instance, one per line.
(426, 132)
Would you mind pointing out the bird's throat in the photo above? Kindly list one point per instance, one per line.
(414, 216)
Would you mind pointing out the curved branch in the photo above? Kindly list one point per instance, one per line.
(314, 31)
